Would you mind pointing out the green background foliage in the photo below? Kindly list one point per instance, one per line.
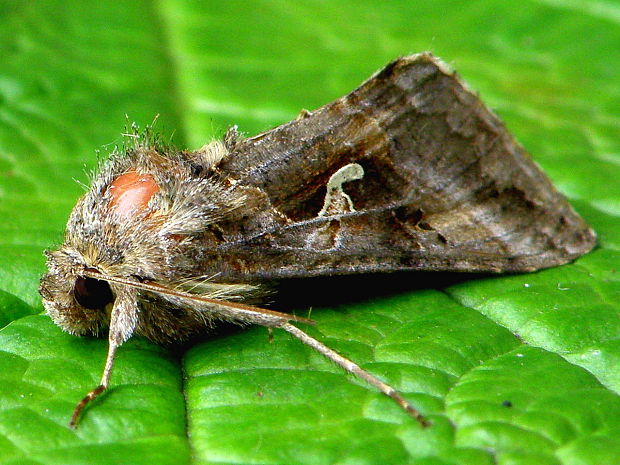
(512, 370)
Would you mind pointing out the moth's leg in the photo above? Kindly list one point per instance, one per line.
(356, 370)
(122, 324)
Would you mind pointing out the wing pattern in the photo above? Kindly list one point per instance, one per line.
(445, 187)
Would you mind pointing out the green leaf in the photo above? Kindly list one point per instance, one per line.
(512, 370)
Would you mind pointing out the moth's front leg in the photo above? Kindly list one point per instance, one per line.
(123, 321)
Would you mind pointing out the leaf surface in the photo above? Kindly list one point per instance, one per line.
(512, 370)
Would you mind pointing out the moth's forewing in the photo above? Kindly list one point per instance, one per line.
(446, 187)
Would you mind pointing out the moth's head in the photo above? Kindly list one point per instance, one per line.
(109, 231)
(140, 219)
(113, 229)
(78, 304)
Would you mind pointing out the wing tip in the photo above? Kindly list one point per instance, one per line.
(421, 58)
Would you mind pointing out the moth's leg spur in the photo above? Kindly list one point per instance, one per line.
(356, 370)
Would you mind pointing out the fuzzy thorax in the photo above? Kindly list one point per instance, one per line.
(146, 214)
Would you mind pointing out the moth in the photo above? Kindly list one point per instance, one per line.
(410, 171)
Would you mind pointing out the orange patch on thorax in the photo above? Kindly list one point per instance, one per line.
(130, 193)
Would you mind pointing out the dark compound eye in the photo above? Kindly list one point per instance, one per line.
(92, 293)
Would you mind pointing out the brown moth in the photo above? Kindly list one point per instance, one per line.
(410, 171)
